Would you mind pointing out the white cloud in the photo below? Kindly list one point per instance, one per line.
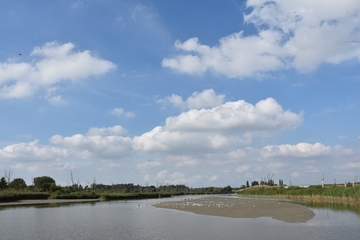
(33, 152)
(162, 174)
(300, 34)
(51, 64)
(311, 169)
(115, 130)
(204, 99)
(240, 116)
(296, 174)
(119, 112)
(232, 123)
(275, 166)
(349, 165)
(303, 150)
(244, 168)
(214, 178)
(187, 163)
(147, 165)
(146, 177)
(98, 143)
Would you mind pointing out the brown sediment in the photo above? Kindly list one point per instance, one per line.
(46, 201)
(243, 208)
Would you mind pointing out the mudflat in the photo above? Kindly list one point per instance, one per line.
(243, 208)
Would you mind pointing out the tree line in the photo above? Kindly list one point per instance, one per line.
(48, 184)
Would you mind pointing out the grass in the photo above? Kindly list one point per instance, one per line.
(331, 191)
(13, 195)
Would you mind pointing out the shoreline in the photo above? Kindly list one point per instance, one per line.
(320, 199)
(45, 202)
(242, 208)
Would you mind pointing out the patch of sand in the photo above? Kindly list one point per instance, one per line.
(243, 208)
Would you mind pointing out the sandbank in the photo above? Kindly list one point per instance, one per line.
(243, 208)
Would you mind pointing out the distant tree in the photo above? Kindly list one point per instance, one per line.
(281, 182)
(17, 183)
(270, 179)
(227, 189)
(44, 183)
(8, 175)
(254, 183)
(247, 184)
(3, 183)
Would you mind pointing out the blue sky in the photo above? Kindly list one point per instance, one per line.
(202, 93)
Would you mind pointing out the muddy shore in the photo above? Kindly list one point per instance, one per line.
(243, 208)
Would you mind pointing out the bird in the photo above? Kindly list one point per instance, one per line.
(19, 54)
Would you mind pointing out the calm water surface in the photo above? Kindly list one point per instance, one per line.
(139, 220)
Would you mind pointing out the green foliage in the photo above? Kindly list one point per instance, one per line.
(3, 183)
(11, 195)
(17, 183)
(227, 189)
(313, 191)
(44, 183)
(75, 195)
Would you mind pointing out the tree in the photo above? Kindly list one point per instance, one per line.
(254, 183)
(270, 179)
(227, 189)
(281, 182)
(8, 175)
(17, 183)
(44, 183)
(3, 183)
(247, 184)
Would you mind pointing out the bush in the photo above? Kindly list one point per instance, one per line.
(44, 183)
(17, 183)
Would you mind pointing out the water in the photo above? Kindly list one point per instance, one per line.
(139, 220)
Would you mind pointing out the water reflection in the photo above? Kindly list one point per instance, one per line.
(335, 206)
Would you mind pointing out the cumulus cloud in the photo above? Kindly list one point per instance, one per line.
(232, 123)
(302, 150)
(119, 112)
(107, 131)
(204, 99)
(32, 151)
(298, 34)
(103, 143)
(52, 63)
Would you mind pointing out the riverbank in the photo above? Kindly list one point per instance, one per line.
(328, 194)
(316, 198)
(45, 201)
(242, 208)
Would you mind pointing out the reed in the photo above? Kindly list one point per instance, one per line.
(312, 191)
(12, 195)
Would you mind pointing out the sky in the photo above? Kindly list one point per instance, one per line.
(201, 93)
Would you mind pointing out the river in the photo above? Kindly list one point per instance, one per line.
(138, 219)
